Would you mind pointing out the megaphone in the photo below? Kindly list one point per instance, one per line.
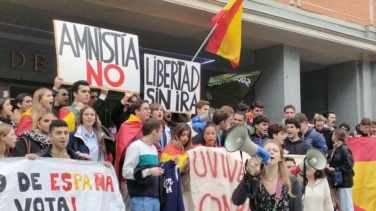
(238, 139)
(314, 159)
(204, 118)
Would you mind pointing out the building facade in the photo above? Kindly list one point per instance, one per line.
(316, 55)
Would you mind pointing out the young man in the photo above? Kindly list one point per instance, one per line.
(315, 139)
(239, 118)
(294, 144)
(59, 136)
(141, 168)
(289, 164)
(288, 112)
(277, 132)
(130, 130)
(261, 124)
(202, 108)
(330, 117)
(363, 129)
(257, 108)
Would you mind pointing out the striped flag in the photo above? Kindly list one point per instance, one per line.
(364, 189)
(226, 39)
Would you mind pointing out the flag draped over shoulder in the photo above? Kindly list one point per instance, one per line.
(226, 39)
(364, 189)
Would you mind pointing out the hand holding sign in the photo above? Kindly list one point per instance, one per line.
(57, 83)
(104, 89)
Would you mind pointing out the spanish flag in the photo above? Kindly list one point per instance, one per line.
(226, 40)
(364, 189)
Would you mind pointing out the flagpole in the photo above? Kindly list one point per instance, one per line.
(206, 39)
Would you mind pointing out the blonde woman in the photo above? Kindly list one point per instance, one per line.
(269, 187)
(7, 139)
(42, 99)
(37, 139)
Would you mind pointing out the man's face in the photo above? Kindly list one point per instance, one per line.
(27, 102)
(373, 130)
(238, 119)
(292, 131)
(167, 116)
(203, 110)
(280, 137)
(319, 125)
(257, 111)
(59, 137)
(157, 134)
(82, 95)
(262, 128)
(62, 98)
(144, 112)
(93, 98)
(289, 166)
(365, 128)
(289, 113)
(331, 120)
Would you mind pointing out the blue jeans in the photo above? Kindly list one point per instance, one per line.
(145, 204)
(345, 199)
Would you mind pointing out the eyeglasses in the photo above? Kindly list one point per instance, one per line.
(146, 108)
(93, 97)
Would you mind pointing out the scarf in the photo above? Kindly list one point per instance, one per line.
(35, 135)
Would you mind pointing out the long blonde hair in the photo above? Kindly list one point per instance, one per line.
(4, 130)
(282, 173)
(39, 115)
(37, 106)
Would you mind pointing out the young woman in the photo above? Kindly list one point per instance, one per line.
(317, 192)
(7, 139)
(87, 141)
(6, 111)
(209, 136)
(268, 186)
(42, 99)
(37, 139)
(341, 159)
(180, 142)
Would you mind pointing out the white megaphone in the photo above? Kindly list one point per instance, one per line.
(314, 159)
(204, 118)
(238, 139)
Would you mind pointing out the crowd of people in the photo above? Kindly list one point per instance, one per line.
(45, 124)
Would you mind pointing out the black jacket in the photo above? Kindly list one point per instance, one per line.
(27, 142)
(298, 147)
(343, 160)
(47, 153)
(249, 187)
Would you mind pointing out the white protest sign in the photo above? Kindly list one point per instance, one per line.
(214, 175)
(57, 184)
(99, 56)
(172, 82)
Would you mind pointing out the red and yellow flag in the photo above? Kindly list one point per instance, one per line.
(364, 189)
(226, 39)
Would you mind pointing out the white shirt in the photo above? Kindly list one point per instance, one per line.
(318, 198)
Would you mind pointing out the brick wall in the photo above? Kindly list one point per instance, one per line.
(355, 11)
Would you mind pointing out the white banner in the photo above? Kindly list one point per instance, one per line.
(99, 56)
(214, 175)
(57, 184)
(172, 82)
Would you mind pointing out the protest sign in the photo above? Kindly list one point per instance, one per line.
(57, 184)
(214, 175)
(97, 55)
(172, 82)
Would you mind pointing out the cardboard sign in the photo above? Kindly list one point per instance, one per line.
(99, 56)
(172, 82)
